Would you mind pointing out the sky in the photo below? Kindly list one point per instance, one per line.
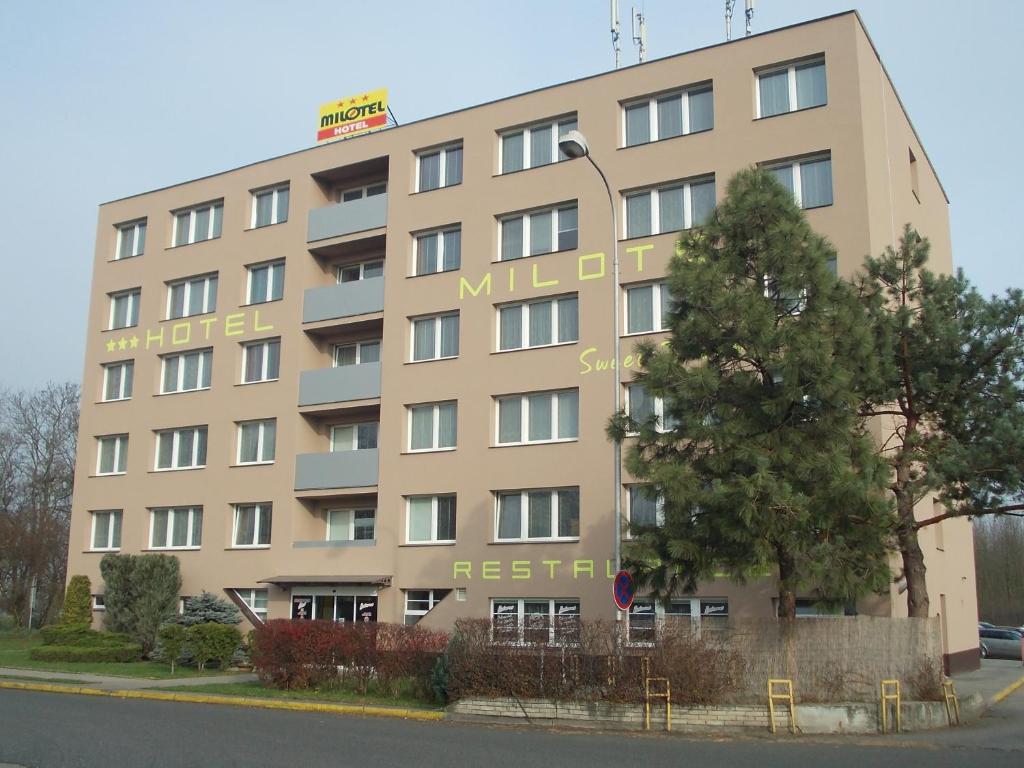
(105, 99)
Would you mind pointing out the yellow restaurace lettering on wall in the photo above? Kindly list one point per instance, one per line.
(551, 565)
(462, 568)
(582, 566)
(485, 285)
(490, 569)
(523, 570)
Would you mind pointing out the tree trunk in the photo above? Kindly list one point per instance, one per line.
(910, 548)
(787, 595)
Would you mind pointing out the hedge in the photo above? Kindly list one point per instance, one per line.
(117, 653)
(82, 637)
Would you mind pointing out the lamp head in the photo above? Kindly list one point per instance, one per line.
(574, 144)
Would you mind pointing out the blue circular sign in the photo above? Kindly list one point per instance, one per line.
(622, 590)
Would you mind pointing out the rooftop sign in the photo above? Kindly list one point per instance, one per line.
(352, 116)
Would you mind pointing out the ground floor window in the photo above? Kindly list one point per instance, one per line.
(419, 601)
(256, 599)
(646, 615)
(335, 607)
(535, 620)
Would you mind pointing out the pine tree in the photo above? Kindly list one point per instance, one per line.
(206, 608)
(952, 381)
(761, 463)
(77, 609)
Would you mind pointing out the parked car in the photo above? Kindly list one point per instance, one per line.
(1000, 643)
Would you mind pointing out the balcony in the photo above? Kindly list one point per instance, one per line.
(343, 384)
(339, 470)
(348, 218)
(335, 302)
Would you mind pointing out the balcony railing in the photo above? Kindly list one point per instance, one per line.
(342, 469)
(339, 385)
(347, 218)
(333, 302)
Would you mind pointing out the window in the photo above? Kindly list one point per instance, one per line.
(99, 603)
(535, 620)
(354, 437)
(176, 528)
(357, 354)
(106, 530)
(261, 361)
(809, 180)
(256, 441)
(439, 168)
(117, 380)
(430, 520)
(432, 426)
(670, 208)
(358, 193)
(131, 239)
(646, 508)
(183, 448)
(647, 615)
(192, 296)
(538, 232)
(538, 514)
(535, 145)
(671, 114)
(642, 408)
(112, 455)
(647, 308)
(351, 524)
(252, 525)
(203, 222)
(438, 251)
(539, 323)
(124, 309)
(269, 206)
(538, 418)
(186, 371)
(435, 337)
(419, 601)
(363, 271)
(799, 85)
(256, 599)
(265, 282)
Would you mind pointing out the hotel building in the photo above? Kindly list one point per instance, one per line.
(369, 380)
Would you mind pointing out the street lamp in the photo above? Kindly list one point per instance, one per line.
(574, 145)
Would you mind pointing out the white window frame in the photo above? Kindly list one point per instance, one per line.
(555, 124)
(433, 519)
(355, 436)
(521, 616)
(524, 417)
(442, 160)
(209, 283)
(275, 213)
(192, 212)
(134, 297)
(193, 531)
(362, 265)
(260, 521)
(111, 546)
(696, 615)
(652, 111)
(99, 603)
(272, 269)
(525, 306)
(126, 385)
(372, 189)
(136, 230)
(434, 596)
(351, 513)
(261, 445)
(658, 297)
(437, 337)
(205, 359)
(248, 596)
(790, 69)
(659, 508)
(524, 514)
(120, 454)
(795, 165)
(655, 193)
(527, 218)
(358, 346)
(439, 234)
(265, 368)
(659, 406)
(435, 426)
(176, 435)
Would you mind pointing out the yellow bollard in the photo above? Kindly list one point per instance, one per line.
(785, 695)
(949, 696)
(890, 692)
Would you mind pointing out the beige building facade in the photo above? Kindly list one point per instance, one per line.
(369, 380)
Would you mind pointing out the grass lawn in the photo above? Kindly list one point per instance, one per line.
(333, 695)
(14, 653)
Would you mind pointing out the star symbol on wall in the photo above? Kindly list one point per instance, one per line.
(133, 342)
(122, 343)
(366, 97)
(110, 345)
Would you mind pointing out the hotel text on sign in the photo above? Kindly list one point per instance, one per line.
(352, 116)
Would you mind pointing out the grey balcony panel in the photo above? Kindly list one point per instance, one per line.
(344, 469)
(330, 302)
(346, 218)
(339, 385)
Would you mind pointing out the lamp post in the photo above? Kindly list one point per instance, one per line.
(574, 145)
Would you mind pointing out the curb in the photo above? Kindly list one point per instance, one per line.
(235, 701)
(1007, 691)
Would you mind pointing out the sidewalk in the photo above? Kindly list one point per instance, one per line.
(992, 681)
(112, 683)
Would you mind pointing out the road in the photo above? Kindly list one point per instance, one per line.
(47, 730)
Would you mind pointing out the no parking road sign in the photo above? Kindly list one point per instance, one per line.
(622, 590)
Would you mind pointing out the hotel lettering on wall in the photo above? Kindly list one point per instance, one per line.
(352, 116)
(183, 333)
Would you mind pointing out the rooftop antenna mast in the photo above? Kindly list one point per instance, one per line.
(639, 27)
(750, 15)
(728, 18)
(615, 33)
